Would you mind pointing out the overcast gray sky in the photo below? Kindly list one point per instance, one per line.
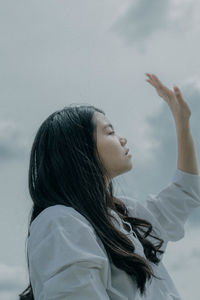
(54, 53)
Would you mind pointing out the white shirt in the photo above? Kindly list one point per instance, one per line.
(68, 261)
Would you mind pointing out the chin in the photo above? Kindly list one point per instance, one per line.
(130, 166)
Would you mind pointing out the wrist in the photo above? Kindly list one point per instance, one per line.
(182, 126)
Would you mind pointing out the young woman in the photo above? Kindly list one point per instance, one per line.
(84, 242)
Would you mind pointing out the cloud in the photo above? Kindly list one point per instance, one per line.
(12, 142)
(143, 19)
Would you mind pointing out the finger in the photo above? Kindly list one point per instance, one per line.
(178, 93)
(150, 82)
(157, 80)
(149, 75)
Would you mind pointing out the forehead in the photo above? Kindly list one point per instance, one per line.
(101, 120)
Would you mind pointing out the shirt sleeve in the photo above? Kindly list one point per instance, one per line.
(172, 205)
(168, 210)
(66, 261)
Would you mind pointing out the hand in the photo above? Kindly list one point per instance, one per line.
(174, 99)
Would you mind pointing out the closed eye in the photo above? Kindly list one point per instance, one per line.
(112, 132)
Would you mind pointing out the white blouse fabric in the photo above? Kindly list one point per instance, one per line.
(68, 261)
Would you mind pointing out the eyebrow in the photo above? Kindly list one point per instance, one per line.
(108, 125)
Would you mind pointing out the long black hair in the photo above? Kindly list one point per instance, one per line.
(63, 157)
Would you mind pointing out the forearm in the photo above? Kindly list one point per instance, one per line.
(187, 160)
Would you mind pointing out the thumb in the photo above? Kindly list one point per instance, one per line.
(177, 93)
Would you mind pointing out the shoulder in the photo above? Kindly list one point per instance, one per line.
(62, 247)
(58, 217)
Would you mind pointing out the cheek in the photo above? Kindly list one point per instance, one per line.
(108, 146)
(110, 149)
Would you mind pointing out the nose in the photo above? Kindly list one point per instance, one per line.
(123, 141)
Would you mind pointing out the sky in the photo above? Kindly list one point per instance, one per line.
(54, 53)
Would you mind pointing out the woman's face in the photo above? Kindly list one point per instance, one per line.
(111, 147)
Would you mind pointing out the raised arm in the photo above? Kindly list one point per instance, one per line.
(187, 161)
